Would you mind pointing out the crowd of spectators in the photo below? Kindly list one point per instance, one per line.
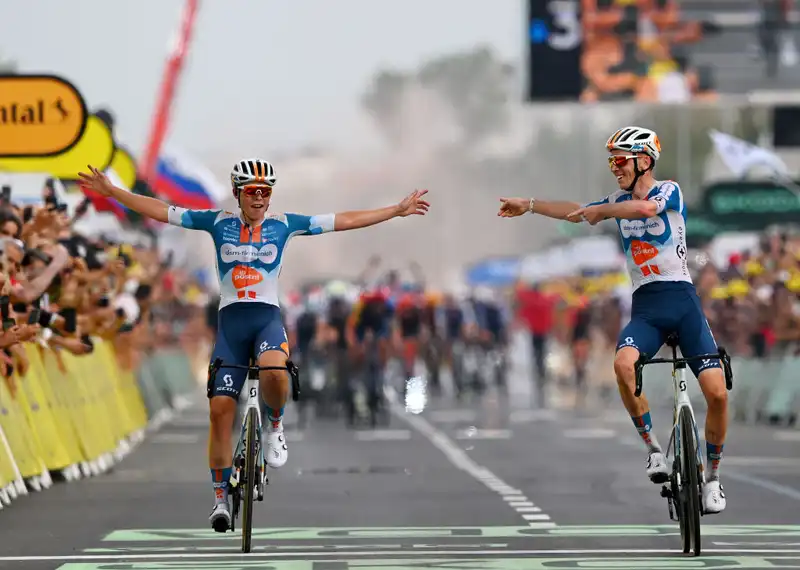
(640, 49)
(63, 290)
(753, 304)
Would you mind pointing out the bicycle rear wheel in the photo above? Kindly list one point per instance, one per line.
(690, 486)
(249, 480)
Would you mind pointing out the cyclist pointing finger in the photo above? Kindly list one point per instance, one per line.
(651, 218)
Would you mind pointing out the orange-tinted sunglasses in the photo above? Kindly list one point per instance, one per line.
(619, 160)
(254, 189)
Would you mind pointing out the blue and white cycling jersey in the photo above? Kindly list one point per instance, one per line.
(655, 248)
(249, 259)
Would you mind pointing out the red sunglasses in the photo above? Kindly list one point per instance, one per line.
(255, 189)
(619, 160)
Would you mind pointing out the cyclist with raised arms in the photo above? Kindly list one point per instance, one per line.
(250, 245)
(651, 217)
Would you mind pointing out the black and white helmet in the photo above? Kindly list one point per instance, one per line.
(252, 171)
(636, 139)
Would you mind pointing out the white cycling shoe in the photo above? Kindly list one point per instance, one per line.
(276, 450)
(713, 498)
(657, 469)
(220, 518)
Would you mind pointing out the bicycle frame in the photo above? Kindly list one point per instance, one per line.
(252, 387)
(681, 400)
(253, 401)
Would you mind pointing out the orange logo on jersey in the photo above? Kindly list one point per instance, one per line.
(244, 276)
(642, 252)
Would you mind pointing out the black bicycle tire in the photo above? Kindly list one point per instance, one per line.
(690, 482)
(251, 451)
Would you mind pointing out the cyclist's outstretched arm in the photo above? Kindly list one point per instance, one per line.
(557, 209)
(413, 204)
(144, 205)
(669, 197)
(630, 209)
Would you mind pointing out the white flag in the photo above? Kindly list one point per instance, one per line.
(741, 156)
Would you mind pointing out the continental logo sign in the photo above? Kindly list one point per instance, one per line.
(40, 115)
(95, 147)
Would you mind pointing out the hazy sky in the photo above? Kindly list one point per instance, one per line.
(262, 74)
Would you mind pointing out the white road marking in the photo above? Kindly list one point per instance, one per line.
(473, 433)
(764, 484)
(371, 553)
(384, 435)
(590, 433)
(538, 517)
(790, 435)
(460, 459)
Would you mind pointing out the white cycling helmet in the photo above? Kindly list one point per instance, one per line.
(252, 171)
(636, 139)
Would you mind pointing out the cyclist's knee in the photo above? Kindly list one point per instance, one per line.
(624, 363)
(222, 409)
(712, 383)
(277, 359)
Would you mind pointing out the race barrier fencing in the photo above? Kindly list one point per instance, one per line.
(76, 416)
(765, 390)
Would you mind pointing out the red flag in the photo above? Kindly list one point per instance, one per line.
(104, 204)
(167, 94)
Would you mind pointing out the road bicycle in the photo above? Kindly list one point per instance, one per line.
(684, 486)
(249, 477)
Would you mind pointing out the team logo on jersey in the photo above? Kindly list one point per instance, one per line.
(248, 253)
(642, 252)
(244, 276)
(654, 226)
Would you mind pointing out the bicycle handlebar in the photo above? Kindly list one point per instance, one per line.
(252, 372)
(721, 355)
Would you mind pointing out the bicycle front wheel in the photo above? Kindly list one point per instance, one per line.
(249, 490)
(690, 486)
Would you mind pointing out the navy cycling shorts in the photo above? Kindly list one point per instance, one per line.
(244, 331)
(666, 307)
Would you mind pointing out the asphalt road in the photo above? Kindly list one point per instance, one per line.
(487, 485)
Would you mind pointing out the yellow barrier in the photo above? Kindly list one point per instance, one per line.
(66, 410)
